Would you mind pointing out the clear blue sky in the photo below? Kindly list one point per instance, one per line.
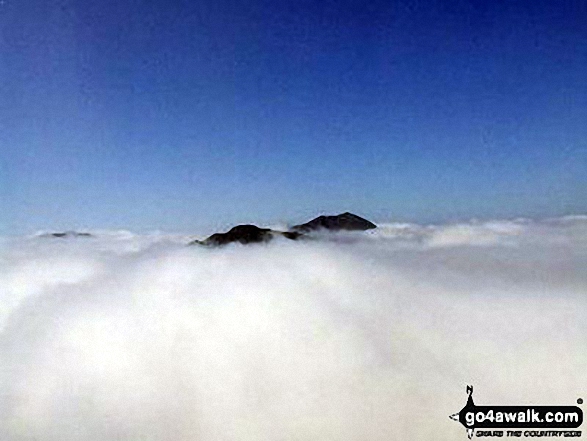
(195, 115)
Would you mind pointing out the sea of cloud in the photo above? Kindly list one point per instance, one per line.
(356, 336)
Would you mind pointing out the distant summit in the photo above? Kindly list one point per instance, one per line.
(244, 234)
(247, 234)
(66, 234)
(345, 221)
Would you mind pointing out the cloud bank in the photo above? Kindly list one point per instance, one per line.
(369, 336)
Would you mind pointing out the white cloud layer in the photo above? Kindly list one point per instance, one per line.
(369, 336)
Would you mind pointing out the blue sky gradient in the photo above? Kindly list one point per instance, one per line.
(191, 116)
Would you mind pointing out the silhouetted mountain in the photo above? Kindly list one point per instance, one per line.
(66, 234)
(344, 221)
(244, 234)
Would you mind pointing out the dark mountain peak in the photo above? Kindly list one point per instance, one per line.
(66, 234)
(344, 221)
(247, 230)
(244, 234)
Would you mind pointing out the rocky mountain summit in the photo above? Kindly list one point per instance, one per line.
(65, 235)
(247, 234)
(244, 234)
(345, 221)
